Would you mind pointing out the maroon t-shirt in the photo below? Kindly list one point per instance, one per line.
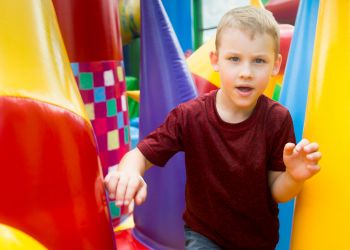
(227, 194)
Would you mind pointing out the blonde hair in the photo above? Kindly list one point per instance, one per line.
(252, 20)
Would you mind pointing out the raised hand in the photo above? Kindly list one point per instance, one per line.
(301, 160)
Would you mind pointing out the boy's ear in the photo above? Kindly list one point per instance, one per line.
(214, 60)
(277, 65)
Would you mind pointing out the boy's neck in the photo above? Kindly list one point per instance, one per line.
(229, 112)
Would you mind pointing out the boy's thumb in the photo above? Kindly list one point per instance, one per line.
(288, 148)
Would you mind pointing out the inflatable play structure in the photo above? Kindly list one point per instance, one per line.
(52, 189)
(11, 238)
(321, 214)
(65, 122)
(285, 11)
(91, 32)
(129, 20)
(158, 93)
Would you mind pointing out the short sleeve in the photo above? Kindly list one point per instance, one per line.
(279, 140)
(161, 144)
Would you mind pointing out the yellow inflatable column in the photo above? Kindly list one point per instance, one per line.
(13, 239)
(322, 215)
(33, 60)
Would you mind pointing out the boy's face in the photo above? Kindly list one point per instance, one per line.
(245, 64)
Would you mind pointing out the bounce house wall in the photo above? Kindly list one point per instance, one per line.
(158, 222)
(91, 32)
(322, 209)
(51, 186)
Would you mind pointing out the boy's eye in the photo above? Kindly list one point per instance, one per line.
(259, 60)
(234, 58)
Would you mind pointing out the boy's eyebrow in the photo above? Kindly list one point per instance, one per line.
(262, 54)
(232, 52)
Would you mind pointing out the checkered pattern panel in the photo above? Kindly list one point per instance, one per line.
(102, 87)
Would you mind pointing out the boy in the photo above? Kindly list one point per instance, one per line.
(239, 145)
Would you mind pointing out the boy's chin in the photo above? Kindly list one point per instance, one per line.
(247, 103)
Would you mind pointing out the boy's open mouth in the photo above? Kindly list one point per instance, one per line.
(244, 89)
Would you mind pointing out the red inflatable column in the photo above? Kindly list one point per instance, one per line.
(91, 32)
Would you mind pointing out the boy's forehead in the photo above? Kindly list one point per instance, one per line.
(248, 32)
(240, 41)
(243, 34)
(231, 36)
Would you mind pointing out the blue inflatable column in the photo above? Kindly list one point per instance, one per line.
(295, 92)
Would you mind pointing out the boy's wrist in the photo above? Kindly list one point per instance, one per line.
(292, 180)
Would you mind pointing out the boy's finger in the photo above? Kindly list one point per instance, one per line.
(106, 179)
(121, 190)
(288, 148)
(111, 182)
(312, 147)
(132, 188)
(315, 156)
(301, 145)
(314, 168)
(141, 194)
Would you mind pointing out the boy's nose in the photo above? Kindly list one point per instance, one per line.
(245, 71)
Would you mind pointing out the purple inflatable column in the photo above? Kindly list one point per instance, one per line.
(165, 82)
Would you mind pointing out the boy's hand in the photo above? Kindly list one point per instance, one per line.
(123, 186)
(301, 160)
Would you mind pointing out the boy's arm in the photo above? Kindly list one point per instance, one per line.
(301, 162)
(126, 183)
